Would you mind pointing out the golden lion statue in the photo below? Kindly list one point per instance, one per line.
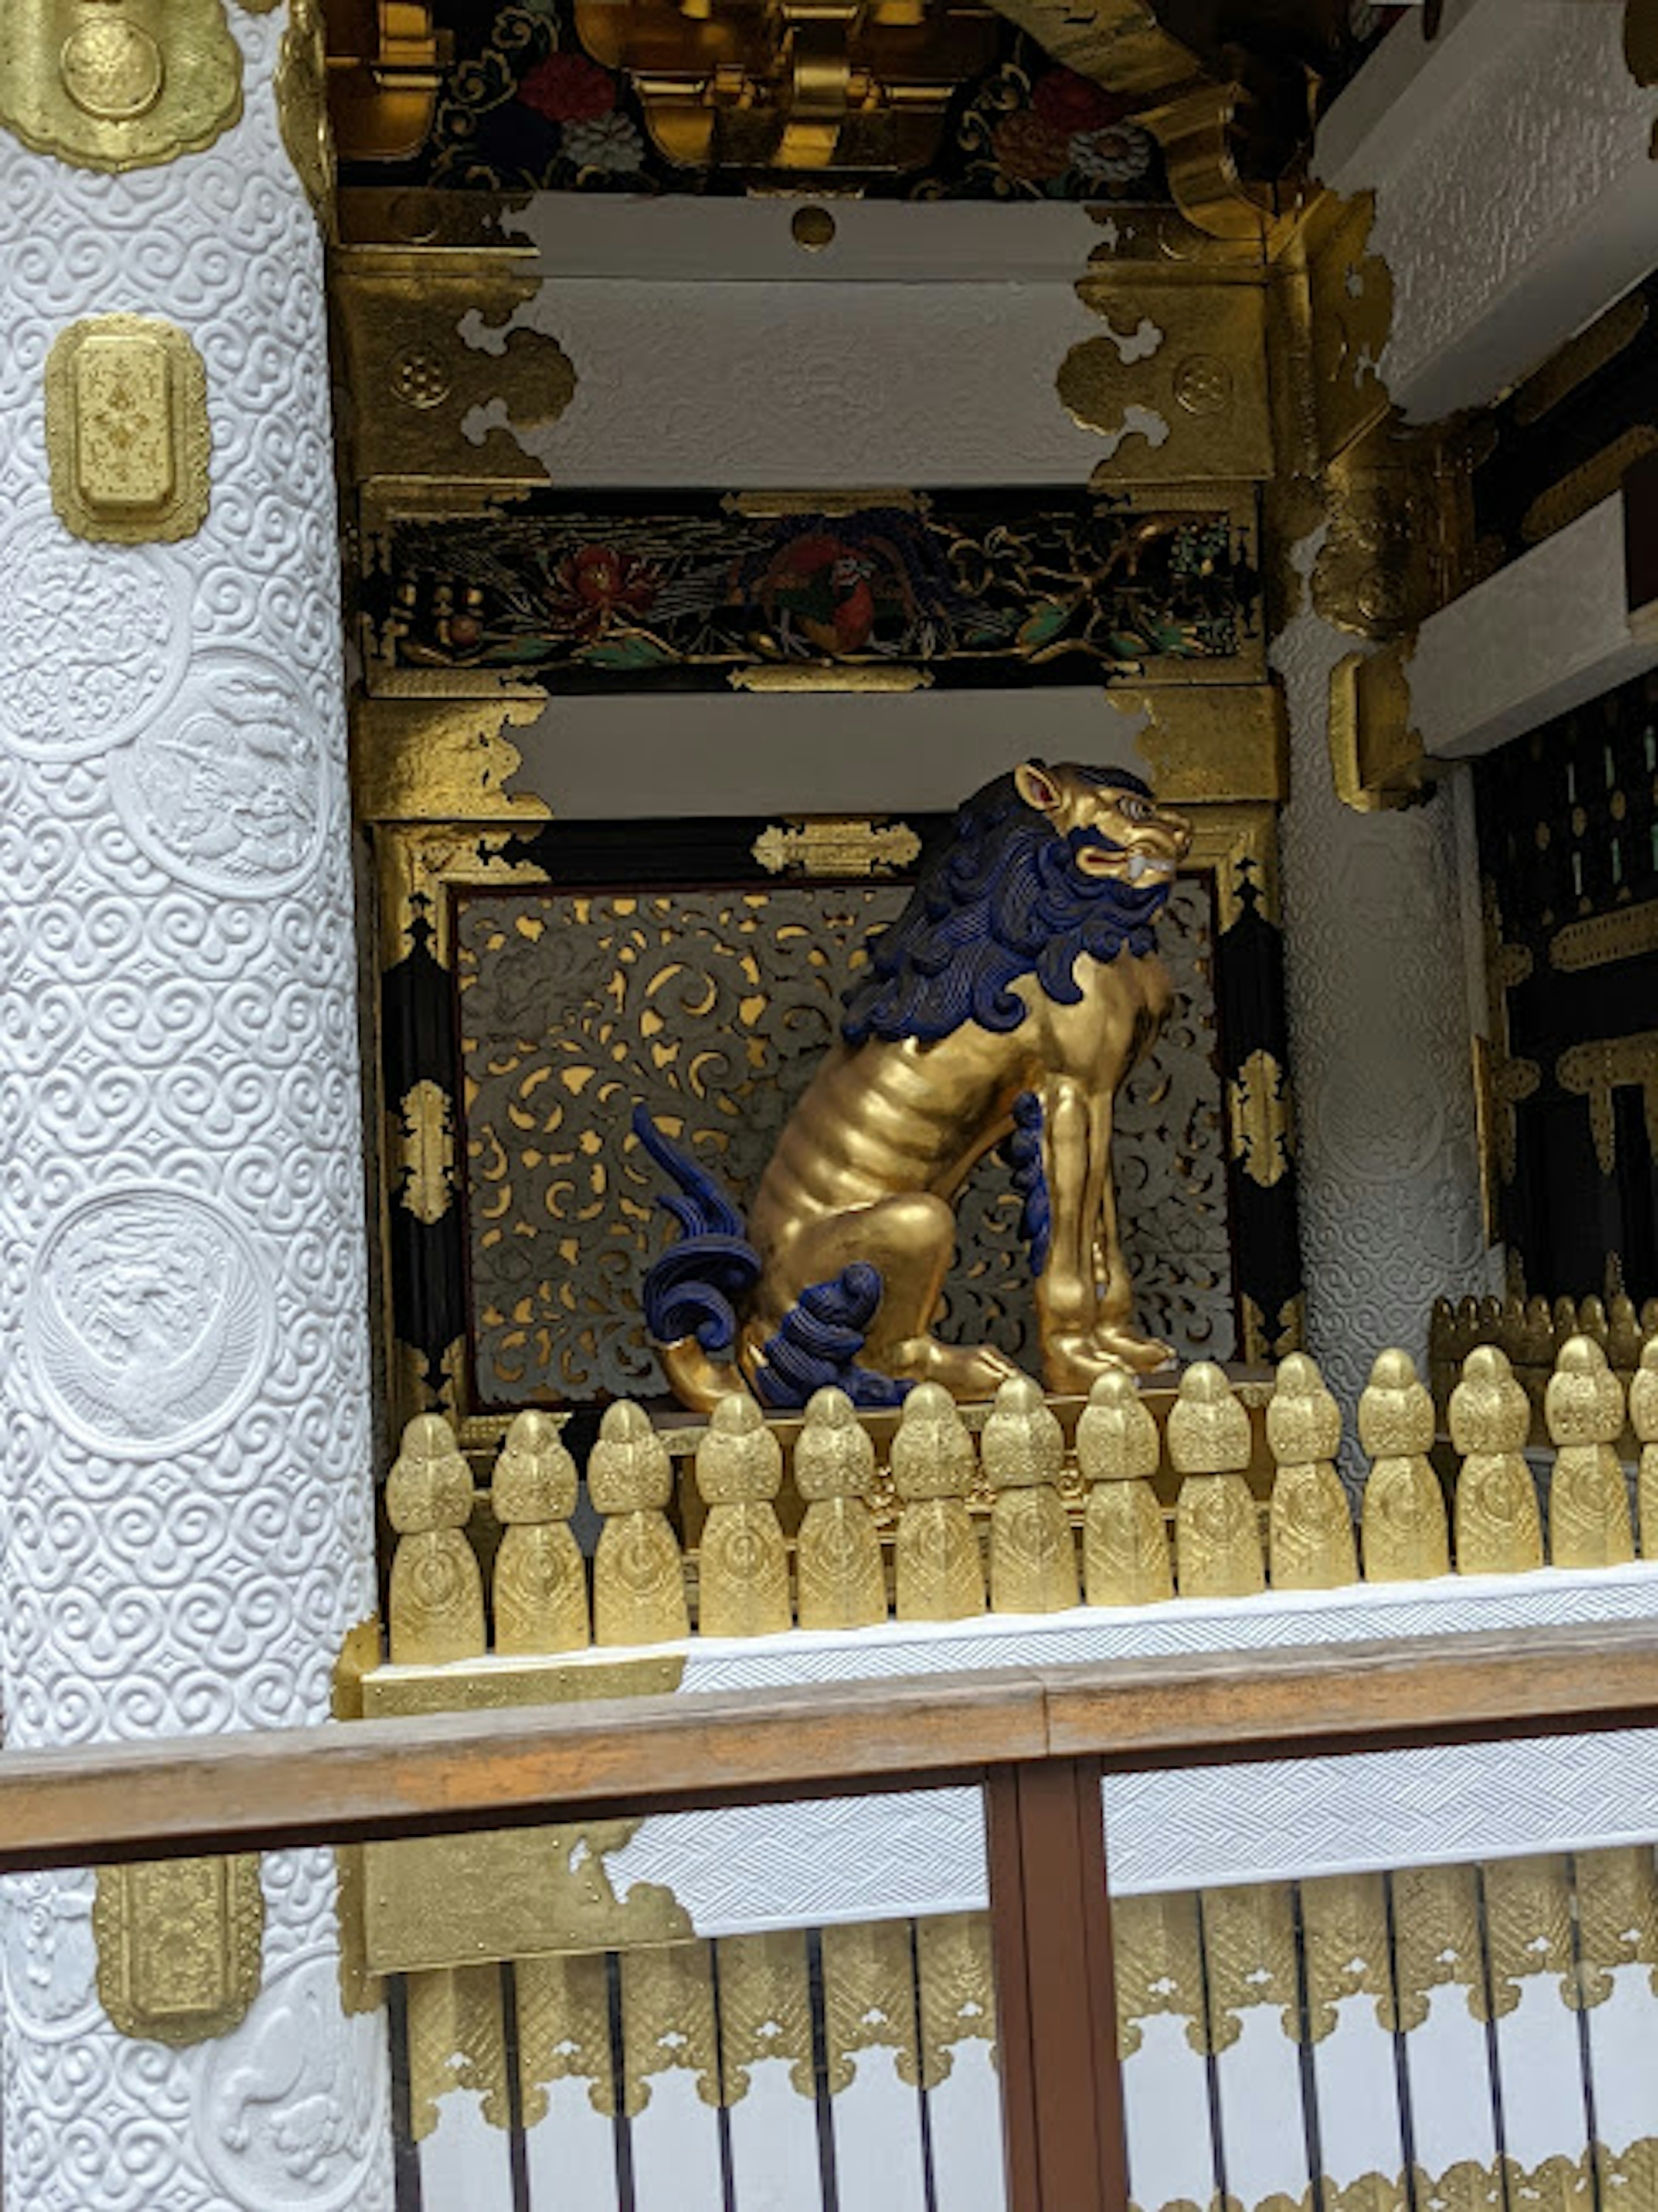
(1010, 1000)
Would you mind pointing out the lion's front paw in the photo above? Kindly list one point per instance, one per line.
(1072, 1365)
(1126, 1347)
(968, 1371)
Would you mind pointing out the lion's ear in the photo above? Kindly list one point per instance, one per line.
(1036, 786)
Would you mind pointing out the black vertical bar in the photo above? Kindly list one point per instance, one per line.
(1309, 2118)
(1493, 2061)
(929, 2185)
(625, 2197)
(1216, 2127)
(405, 2154)
(518, 2160)
(829, 2178)
(722, 2110)
(1401, 2057)
(1585, 2050)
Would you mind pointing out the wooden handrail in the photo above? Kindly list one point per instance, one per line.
(458, 1771)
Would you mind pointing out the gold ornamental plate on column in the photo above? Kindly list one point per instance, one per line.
(127, 434)
(179, 1946)
(117, 84)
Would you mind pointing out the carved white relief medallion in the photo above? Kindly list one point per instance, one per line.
(94, 639)
(290, 2110)
(47, 1953)
(150, 1322)
(226, 793)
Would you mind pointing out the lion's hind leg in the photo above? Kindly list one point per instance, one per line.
(909, 1239)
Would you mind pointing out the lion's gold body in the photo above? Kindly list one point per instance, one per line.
(872, 1158)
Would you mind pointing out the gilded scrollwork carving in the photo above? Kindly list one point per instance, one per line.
(639, 1580)
(838, 1564)
(1436, 1940)
(1588, 1499)
(538, 1595)
(1405, 1534)
(1499, 1528)
(937, 1572)
(743, 1564)
(1032, 1554)
(1249, 1958)
(1218, 1545)
(1344, 1919)
(957, 1987)
(1158, 1955)
(1311, 1525)
(765, 2009)
(870, 1998)
(564, 2030)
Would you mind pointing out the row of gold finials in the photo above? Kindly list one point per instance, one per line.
(540, 1597)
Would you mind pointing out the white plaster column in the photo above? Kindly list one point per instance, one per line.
(183, 1335)
(1377, 985)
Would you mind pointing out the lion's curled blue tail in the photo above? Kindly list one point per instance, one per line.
(693, 1288)
(818, 1341)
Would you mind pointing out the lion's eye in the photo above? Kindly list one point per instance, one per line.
(1135, 809)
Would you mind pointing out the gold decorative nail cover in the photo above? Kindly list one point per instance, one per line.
(117, 84)
(127, 435)
(179, 1946)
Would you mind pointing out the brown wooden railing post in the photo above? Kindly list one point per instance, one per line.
(1055, 1989)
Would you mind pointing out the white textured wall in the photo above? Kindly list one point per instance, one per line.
(1380, 1051)
(183, 1354)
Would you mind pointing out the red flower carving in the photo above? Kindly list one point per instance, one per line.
(596, 585)
(568, 89)
(1069, 103)
(1030, 149)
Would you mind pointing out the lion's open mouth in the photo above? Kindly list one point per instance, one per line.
(1134, 866)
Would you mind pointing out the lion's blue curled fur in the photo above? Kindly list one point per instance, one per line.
(1002, 898)
(1024, 1157)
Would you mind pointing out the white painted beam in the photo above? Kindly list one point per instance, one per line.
(1546, 633)
(1516, 197)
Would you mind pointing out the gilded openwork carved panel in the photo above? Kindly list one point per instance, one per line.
(713, 1008)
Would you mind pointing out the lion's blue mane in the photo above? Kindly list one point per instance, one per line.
(1002, 897)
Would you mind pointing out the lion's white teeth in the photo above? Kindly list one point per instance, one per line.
(1135, 867)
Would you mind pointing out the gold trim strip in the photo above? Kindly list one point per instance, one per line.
(1605, 937)
(1579, 358)
(766, 504)
(1585, 486)
(848, 846)
(824, 676)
